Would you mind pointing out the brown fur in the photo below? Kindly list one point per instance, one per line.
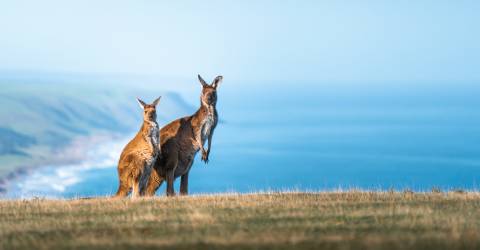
(182, 139)
(138, 157)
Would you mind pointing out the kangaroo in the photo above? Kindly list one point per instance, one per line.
(137, 158)
(182, 139)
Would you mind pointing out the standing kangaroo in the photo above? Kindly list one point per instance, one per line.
(182, 139)
(137, 159)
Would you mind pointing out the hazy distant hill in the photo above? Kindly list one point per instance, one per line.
(39, 117)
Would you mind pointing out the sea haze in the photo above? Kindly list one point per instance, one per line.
(315, 137)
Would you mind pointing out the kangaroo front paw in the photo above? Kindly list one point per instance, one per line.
(205, 156)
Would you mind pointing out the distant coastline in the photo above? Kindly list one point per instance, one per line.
(82, 151)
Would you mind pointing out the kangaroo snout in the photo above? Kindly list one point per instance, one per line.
(150, 115)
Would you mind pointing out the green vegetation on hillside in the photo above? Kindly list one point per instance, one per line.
(347, 220)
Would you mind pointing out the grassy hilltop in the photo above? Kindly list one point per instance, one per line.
(347, 220)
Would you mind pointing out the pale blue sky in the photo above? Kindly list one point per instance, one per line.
(364, 41)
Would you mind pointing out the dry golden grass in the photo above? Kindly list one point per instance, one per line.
(343, 220)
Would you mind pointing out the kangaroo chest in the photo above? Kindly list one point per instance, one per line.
(154, 139)
(207, 125)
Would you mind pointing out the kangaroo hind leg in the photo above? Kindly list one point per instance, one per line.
(124, 184)
(184, 184)
(123, 189)
(171, 166)
(154, 182)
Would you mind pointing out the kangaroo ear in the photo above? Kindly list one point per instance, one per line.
(204, 84)
(155, 103)
(217, 81)
(141, 103)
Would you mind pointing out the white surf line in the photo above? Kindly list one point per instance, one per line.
(52, 181)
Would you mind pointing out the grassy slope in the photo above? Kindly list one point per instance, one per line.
(350, 220)
(38, 117)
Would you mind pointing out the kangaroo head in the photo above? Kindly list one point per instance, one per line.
(149, 110)
(209, 91)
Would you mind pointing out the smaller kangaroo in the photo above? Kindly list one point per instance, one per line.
(182, 139)
(137, 158)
